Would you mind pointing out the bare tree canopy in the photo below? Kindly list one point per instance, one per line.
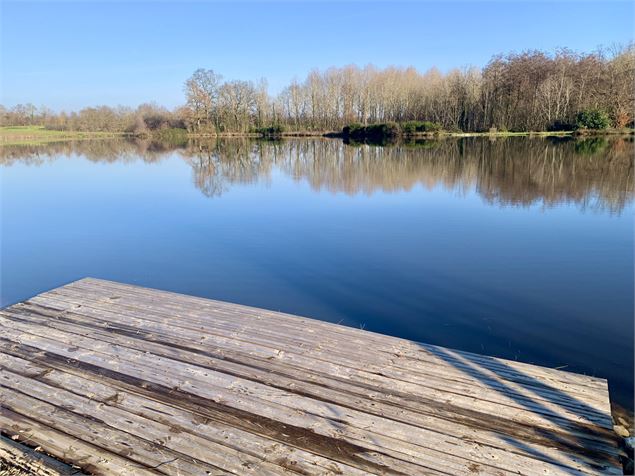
(528, 91)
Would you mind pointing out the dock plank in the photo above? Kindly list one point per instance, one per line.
(321, 349)
(421, 412)
(174, 384)
(186, 310)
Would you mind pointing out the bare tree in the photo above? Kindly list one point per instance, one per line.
(531, 90)
(202, 91)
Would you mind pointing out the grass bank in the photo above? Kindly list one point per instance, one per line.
(588, 133)
(35, 135)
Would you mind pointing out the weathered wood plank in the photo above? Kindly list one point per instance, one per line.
(32, 461)
(486, 387)
(181, 420)
(208, 411)
(92, 430)
(326, 419)
(273, 404)
(164, 436)
(424, 413)
(459, 370)
(350, 334)
(91, 458)
(165, 383)
(184, 308)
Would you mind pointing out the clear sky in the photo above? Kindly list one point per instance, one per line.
(73, 54)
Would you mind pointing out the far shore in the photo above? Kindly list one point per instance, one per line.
(27, 135)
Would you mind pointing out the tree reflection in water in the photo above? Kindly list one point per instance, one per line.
(593, 173)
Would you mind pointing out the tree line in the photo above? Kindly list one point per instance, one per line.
(528, 91)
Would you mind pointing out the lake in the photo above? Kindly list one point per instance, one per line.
(520, 248)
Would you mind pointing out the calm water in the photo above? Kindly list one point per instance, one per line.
(519, 248)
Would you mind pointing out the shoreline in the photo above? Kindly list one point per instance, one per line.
(14, 136)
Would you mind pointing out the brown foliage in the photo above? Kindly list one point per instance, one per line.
(527, 91)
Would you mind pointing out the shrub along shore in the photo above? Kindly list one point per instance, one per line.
(357, 133)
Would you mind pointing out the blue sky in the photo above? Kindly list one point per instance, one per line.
(73, 54)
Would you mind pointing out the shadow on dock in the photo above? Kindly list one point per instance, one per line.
(589, 439)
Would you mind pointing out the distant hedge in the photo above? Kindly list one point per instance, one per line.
(388, 130)
(561, 126)
(270, 131)
(172, 135)
(412, 127)
(592, 119)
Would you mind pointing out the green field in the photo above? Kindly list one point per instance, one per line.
(33, 135)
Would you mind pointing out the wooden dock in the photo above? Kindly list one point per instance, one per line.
(118, 379)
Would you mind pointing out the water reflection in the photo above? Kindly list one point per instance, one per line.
(431, 241)
(592, 173)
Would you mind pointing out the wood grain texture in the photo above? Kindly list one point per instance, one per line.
(32, 461)
(118, 379)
